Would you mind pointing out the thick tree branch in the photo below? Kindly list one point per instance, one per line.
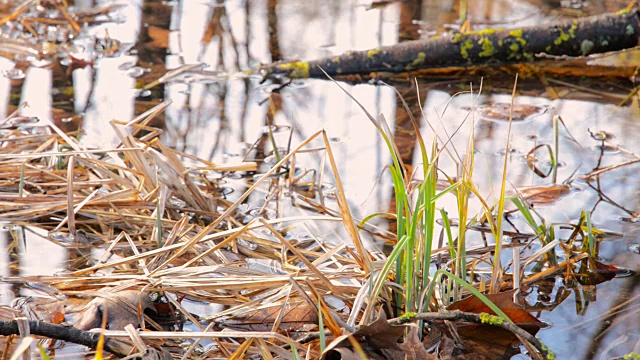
(580, 37)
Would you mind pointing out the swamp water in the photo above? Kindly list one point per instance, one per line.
(220, 118)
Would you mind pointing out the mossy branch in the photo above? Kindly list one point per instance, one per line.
(580, 37)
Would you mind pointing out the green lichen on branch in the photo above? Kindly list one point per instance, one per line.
(490, 319)
(372, 53)
(296, 69)
(586, 46)
(419, 59)
(566, 36)
(629, 30)
(518, 45)
(481, 37)
(632, 356)
(550, 354)
(466, 44)
(406, 317)
(488, 49)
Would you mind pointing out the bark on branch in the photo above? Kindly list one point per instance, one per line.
(66, 333)
(580, 37)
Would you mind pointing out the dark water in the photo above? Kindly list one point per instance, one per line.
(216, 113)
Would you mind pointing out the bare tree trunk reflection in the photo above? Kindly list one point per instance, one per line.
(620, 315)
(410, 16)
(272, 17)
(153, 37)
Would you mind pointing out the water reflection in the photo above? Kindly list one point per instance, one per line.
(218, 114)
(111, 98)
(36, 92)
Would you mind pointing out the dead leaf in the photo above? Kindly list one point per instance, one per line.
(499, 112)
(412, 348)
(479, 342)
(121, 309)
(377, 335)
(296, 315)
(602, 273)
(545, 195)
(486, 341)
(57, 317)
(477, 349)
(350, 354)
(504, 301)
(608, 271)
(448, 348)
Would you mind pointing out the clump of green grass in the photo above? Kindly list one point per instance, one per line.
(416, 211)
(409, 265)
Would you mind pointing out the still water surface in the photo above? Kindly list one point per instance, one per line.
(218, 114)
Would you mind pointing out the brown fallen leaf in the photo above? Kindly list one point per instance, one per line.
(499, 112)
(296, 315)
(602, 273)
(504, 301)
(486, 341)
(377, 335)
(545, 195)
(411, 347)
(121, 309)
(473, 349)
(351, 354)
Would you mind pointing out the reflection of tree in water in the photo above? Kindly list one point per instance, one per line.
(202, 126)
(614, 324)
(274, 43)
(593, 179)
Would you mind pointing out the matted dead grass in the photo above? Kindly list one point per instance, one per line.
(164, 230)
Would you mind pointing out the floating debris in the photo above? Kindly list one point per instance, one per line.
(500, 112)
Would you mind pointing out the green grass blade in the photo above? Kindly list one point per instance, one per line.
(384, 272)
(496, 274)
(446, 224)
(323, 341)
(469, 288)
(590, 238)
(375, 215)
(526, 213)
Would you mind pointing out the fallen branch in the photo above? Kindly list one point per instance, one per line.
(454, 315)
(67, 333)
(580, 37)
(486, 319)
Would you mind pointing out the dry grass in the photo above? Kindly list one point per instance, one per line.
(165, 230)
